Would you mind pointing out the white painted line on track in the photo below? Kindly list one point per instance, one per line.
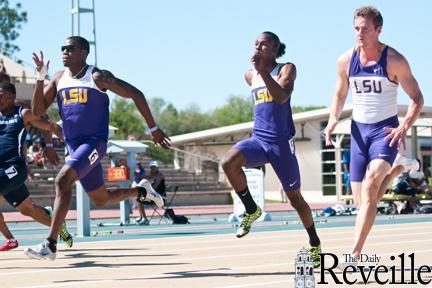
(256, 284)
(279, 236)
(172, 275)
(248, 254)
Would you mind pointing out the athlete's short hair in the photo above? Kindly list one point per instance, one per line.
(370, 12)
(275, 38)
(83, 43)
(9, 87)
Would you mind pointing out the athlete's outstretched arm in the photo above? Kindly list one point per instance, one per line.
(41, 123)
(340, 95)
(49, 152)
(43, 96)
(405, 77)
(107, 81)
(48, 127)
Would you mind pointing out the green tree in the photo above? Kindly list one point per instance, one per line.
(165, 114)
(125, 116)
(191, 119)
(11, 19)
(298, 109)
(156, 152)
(168, 119)
(239, 109)
(174, 122)
(53, 112)
(157, 104)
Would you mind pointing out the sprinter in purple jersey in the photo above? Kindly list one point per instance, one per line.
(373, 72)
(83, 107)
(272, 141)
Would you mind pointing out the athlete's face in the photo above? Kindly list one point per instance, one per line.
(7, 100)
(366, 33)
(266, 46)
(72, 53)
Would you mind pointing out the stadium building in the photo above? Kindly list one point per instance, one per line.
(320, 166)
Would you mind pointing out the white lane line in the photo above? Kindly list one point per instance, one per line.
(209, 247)
(257, 284)
(279, 236)
(173, 274)
(48, 270)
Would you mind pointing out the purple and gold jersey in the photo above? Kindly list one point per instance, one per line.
(374, 94)
(83, 108)
(273, 131)
(272, 121)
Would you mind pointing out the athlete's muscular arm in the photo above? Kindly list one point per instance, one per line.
(48, 127)
(340, 95)
(107, 81)
(41, 123)
(281, 89)
(49, 152)
(399, 71)
(43, 97)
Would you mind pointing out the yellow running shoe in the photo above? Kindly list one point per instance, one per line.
(64, 233)
(66, 236)
(315, 252)
(246, 224)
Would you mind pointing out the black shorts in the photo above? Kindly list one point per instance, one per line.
(12, 179)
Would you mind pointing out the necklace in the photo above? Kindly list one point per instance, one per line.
(76, 74)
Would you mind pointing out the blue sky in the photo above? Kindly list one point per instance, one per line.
(196, 51)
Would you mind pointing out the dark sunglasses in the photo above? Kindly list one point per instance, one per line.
(69, 48)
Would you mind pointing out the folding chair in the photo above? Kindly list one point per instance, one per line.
(167, 203)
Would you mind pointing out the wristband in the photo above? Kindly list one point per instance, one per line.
(154, 129)
(49, 145)
(40, 75)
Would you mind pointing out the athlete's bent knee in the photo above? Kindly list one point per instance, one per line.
(296, 199)
(231, 161)
(99, 197)
(369, 202)
(100, 202)
(26, 210)
(63, 182)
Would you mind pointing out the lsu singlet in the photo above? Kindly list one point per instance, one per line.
(272, 121)
(374, 108)
(83, 108)
(272, 140)
(13, 134)
(374, 94)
